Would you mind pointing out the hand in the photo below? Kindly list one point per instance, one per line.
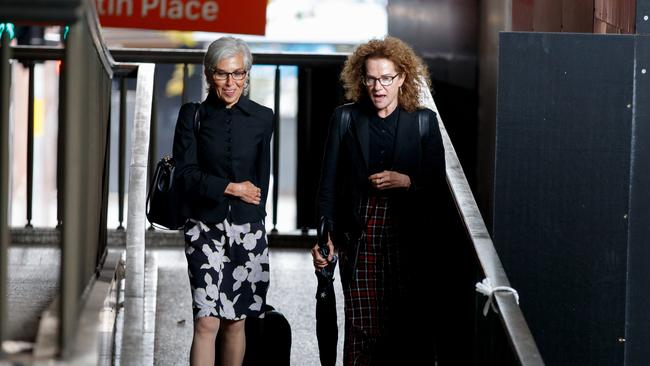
(246, 191)
(389, 179)
(319, 261)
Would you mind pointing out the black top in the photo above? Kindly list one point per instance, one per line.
(382, 141)
(233, 146)
(347, 165)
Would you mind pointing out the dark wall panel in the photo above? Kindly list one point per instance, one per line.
(642, 11)
(562, 183)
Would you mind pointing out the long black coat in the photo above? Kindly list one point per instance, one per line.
(416, 216)
(344, 179)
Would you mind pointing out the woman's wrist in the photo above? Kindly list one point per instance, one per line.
(232, 189)
(406, 181)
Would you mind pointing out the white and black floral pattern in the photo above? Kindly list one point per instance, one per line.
(228, 266)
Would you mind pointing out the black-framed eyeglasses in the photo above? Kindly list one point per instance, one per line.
(384, 80)
(236, 75)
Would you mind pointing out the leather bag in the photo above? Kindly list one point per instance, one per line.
(164, 197)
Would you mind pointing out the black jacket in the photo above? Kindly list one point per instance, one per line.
(233, 145)
(344, 179)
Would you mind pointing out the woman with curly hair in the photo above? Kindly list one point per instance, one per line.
(383, 169)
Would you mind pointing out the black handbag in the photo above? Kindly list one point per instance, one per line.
(164, 197)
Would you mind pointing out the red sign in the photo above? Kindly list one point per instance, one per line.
(224, 16)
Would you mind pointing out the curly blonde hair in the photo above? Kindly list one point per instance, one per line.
(406, 62)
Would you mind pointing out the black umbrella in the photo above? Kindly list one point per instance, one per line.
(326, 323)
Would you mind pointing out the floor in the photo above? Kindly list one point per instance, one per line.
(291, 292)
(33, 284)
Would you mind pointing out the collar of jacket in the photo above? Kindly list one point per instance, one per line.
(407, 125)
(213, 104)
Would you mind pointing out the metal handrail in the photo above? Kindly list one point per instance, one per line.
(86, 73)
(193, 56)
(5, 78)
(38, 53)
(135, 231)
(176, 56)
(83, 131)
(519, 335)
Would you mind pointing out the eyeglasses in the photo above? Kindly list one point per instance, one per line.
(236, 75)
(384, 80)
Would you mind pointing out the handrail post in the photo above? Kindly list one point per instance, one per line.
(30, 146)
(5, 84)
(153, 136)
(60, 146)
(276, 147)
(121, 154)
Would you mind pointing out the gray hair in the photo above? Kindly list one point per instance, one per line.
(222, 48)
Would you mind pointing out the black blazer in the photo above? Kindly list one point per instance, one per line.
(233, 145)
(344, 179)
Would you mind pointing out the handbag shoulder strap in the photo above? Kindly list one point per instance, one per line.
(345, 122)
(197, 119)
(423, 123)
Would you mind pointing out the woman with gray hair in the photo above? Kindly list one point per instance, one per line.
(222, 155)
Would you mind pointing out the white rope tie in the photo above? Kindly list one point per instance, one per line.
(486, 289)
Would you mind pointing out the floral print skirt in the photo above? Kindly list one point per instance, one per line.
(228, 266)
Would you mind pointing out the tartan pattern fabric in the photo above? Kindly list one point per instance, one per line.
(368, 291)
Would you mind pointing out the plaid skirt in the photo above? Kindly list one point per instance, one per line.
(372, 291)
(228, 266)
